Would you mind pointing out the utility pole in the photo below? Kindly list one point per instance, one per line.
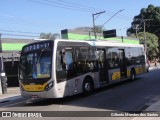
(0, 43)
(136, 28)
(145, 41)
(144, 30)
(143, 21)
(93, 17)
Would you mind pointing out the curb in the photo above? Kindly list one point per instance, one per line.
(153, 68)
(154, 107)
(10, 98)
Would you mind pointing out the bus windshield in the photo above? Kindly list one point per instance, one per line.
(35, 65)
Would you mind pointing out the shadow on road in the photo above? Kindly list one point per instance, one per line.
(128, 95)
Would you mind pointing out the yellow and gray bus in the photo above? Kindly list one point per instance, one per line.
(59, 68)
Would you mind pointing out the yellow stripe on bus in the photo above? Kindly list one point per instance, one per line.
(128, 73)
(138, 70)
(34, 88)
(116, 75)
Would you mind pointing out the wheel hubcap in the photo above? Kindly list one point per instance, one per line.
(87, 86)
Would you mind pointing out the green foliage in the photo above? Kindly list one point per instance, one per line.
(49, 36)
(151, 15)
(98, 28)
(152, 43)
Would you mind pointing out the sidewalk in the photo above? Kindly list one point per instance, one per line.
(154, 107)
(13, 93)
(152, 67)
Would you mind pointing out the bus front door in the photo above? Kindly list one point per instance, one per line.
(102, 66)
(122, 64)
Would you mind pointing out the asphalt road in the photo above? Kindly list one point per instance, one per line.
(125, 96)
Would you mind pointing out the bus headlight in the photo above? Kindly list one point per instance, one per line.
(49, 86)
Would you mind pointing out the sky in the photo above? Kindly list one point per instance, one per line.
(32, 17)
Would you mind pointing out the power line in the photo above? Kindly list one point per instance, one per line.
(8, 16)
(112, 17)
(123, 28)
(3, 30)
(153, 25)
(64, 7)
(94, 27)
(72, 5)
(18, 35)
(79, 5)
(157, 30)
(93, 8)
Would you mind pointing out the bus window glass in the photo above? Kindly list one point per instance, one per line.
(44, 65)
(35, 65)
(68, 60)
(64, 63)
(84, 53)
(113, 58)
(58, 61)
(101, 58)
(64, 59)
(128, 55)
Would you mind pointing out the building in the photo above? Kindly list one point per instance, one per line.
(87, 35)
(11, 52)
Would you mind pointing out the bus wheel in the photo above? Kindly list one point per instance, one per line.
(87, 86)
(133, 75)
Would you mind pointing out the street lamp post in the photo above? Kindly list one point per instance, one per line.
(94, 27)
(112, 17)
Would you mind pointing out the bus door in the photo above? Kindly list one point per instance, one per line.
(122, 63)
(103, 73)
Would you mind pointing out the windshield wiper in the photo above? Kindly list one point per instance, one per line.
(39, 56)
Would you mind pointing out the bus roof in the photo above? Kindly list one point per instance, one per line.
(102, 43)
(94, 43)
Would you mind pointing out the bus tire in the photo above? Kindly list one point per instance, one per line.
(88, 86)
(133, 75)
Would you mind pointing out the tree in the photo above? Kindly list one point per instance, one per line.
(152, 44)
(151, 16)
(49, 36)
(99, 29)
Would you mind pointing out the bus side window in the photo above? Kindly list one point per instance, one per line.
(58, 61)
(113, 58)
(68, 60)
(116, 61)
(63, 59)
